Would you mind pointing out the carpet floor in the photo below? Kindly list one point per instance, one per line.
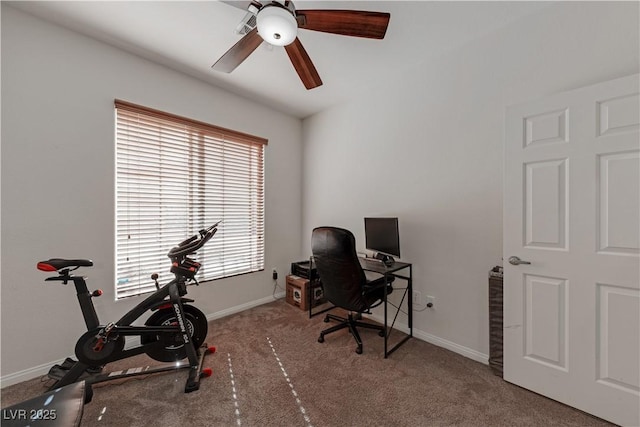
(269, 370)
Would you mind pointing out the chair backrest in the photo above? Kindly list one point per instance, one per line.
(334, 253)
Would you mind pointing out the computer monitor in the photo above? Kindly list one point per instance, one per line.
(381, 235)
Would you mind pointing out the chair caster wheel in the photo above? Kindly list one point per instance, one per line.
(359, 350)
(321, 339)
(381, 334)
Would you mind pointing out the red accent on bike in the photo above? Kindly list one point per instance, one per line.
(99, 345)
(163, 306)
(97, 293)
(43, 266)
(212, 349)
(207, 372)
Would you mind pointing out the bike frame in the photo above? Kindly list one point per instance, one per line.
(174, 290)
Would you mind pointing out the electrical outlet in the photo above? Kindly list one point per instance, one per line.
(416, 297)
(430, 301)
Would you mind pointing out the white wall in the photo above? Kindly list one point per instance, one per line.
(428, 149)
(58, 161)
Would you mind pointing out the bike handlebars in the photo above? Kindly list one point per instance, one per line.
(192, 244)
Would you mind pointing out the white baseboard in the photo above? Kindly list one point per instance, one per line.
(450, 345)
(26, 374)
(41, 370)
(440, 342)
(245, 306)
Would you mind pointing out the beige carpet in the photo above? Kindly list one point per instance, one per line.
(270, 370)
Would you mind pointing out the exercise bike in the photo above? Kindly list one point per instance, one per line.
(174, 330)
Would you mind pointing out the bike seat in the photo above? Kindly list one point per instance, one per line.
(55, 264)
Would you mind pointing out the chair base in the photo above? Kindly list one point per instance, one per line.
(350, 322)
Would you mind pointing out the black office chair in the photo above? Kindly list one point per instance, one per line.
(345, 283)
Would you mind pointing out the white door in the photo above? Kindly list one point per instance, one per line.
(572, 209)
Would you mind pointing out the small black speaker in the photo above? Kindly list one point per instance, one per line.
(386, 259)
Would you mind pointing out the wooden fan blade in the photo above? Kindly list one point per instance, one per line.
(303, 65)
(239, 52)
(353, 23)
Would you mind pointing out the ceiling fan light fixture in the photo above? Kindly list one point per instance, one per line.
(277, 25)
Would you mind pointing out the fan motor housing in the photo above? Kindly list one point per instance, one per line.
(277, 25)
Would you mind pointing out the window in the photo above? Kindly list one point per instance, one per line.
(175, 176)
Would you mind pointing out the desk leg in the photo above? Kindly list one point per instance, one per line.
(408, 290)
(410, 310)
(386, 332)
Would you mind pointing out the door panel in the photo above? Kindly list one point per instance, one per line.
(572, 209)
(546, 204)
(619, 115)
(619, 203)
(546, 128)
(546, 320)
(618, 343)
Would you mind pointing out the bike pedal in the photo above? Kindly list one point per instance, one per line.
(56, 372)
(67, 364)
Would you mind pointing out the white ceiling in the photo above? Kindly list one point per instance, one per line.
(190, 36)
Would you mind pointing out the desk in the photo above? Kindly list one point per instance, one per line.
(376, 266)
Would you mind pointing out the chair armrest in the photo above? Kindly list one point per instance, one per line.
(376, 282)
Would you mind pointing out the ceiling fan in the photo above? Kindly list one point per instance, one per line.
(277, 23)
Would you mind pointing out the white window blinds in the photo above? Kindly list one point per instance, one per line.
(175, 176)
